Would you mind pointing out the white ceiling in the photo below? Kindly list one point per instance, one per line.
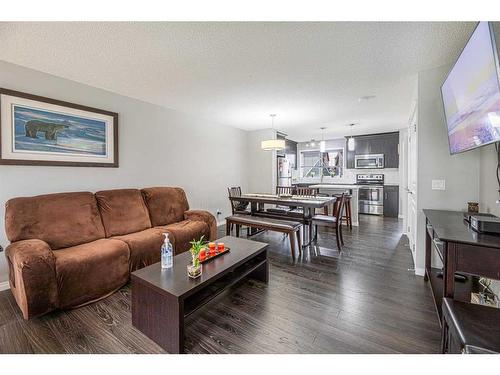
(309, 74)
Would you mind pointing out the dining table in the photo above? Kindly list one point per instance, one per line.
(308, 204)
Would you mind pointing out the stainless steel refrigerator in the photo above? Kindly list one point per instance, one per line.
(285, 166)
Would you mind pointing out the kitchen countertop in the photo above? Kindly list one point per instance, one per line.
(327, 185)
(335, 186)
(323, 183)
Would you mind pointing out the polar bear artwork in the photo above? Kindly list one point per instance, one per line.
(32, 128)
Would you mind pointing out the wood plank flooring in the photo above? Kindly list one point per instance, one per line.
(362, 301)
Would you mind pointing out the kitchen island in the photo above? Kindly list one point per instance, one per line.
(333, 189)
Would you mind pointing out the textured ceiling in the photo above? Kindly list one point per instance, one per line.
(309, 74)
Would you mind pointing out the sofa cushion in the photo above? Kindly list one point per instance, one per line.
(123, 211)
(88, 272)
(166, 205)
(61, 220)
(184, 232)
(145, 247)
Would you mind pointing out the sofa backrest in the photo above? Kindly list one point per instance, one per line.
(123, 211)
(166, 205)
(61, 220)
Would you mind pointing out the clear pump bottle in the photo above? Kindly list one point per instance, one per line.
(167, 253)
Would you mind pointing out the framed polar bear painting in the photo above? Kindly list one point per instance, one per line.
(41, 131)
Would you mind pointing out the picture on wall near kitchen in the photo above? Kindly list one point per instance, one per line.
(41, 131)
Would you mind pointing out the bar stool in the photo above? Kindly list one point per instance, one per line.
(347, 213)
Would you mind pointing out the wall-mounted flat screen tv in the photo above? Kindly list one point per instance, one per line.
(471, 93)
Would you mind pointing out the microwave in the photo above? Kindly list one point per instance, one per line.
(372, 161)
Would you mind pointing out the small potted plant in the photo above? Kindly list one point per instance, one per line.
(194, 269)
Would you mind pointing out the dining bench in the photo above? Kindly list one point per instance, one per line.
(291, 228)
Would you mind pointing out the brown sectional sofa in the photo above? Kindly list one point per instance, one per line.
(70, 249)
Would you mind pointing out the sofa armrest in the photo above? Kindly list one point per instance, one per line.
(205, 216)
(32, 276)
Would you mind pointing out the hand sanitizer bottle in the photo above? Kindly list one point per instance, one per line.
(167, 253)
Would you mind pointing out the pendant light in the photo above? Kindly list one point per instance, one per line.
(273, 144)
(351, 145)
(322, 143)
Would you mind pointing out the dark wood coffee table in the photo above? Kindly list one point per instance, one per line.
(161, 299)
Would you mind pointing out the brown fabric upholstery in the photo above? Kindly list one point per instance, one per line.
(206, 217)
(144, 247)
(88, 272)
(184, 232)
(61, 220)
(166, 205)
(123, 211)
(32, 277)
(59, 256)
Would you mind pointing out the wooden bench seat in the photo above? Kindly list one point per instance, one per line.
(291, 228)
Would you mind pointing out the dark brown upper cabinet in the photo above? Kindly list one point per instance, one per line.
(383, 143)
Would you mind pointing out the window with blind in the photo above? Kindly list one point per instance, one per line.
(314, 163)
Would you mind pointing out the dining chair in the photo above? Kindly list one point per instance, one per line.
(237, 207)
(281, 210)
(333, 221)
(285, 190)
(306, 191)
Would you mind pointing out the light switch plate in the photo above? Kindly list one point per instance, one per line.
(438, 185)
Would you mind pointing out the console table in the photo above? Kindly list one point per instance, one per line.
(461, 249)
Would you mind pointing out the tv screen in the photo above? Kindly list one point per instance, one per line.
(471, 94)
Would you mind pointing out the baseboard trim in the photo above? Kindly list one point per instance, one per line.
(419, 271)
(4, 285)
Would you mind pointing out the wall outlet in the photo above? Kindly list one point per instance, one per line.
(438, 185)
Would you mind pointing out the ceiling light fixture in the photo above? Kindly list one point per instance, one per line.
(322, 143)
(273, 144)
(351, 145)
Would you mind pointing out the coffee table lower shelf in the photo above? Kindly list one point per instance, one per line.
(201, 298)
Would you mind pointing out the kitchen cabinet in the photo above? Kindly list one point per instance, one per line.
(291, 153)
(390, 149)
(290, 147)
(391, 200)
(384, 143)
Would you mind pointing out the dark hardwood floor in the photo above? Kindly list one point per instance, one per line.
(363, 301)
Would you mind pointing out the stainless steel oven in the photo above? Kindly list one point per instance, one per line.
(371, 200)
(369, 161)
(371, 193)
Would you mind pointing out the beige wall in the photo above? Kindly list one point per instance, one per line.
(460, 172)
(260, 166)
(158, 146)
(488, 182)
